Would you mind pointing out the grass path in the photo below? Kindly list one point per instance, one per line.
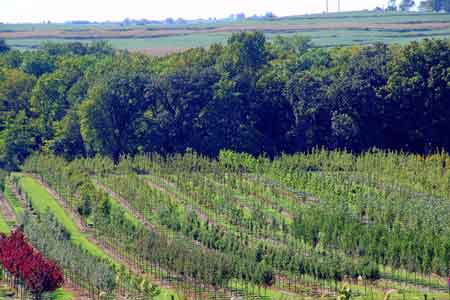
(4, 228)
(42, 202)
(43, 198)
(12, 205)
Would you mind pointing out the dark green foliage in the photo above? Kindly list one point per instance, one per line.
(67, 140)
(17, 141)
(3, 175)
(435, 5)
(264, 274)
(406, 5)
(37, 63)
(3, 46)
(392, 5)
(113, 118)
(248, 96)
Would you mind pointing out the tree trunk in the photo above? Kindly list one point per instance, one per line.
(37, 296)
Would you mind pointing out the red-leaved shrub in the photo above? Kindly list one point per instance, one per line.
(20, 259)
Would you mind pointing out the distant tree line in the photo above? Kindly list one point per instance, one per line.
(424, 5)
(435, 5)
(249, 95)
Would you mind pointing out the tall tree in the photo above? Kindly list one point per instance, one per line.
(437, 5)
(55, 93)
(356, 99)
(3, 46)
(406, 5)
(246, 53)
(67, 140)
(15, 92)
(392, 5)
(37, 63)
(113, 117)
(426, 5)
(17, 141)
(307, 93)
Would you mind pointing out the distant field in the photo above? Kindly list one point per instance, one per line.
(325, 30)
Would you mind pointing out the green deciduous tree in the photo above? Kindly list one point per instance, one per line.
(17, 141)
(406, 5)
(3, 46)
(37, 63)
(113, 117)
(67, 140)
(15, 91)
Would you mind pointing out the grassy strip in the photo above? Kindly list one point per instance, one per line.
(43, 201)
(61, 294)
(4, 228)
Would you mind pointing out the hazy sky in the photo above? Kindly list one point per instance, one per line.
(100, 10)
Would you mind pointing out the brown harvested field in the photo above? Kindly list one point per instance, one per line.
(168, 32)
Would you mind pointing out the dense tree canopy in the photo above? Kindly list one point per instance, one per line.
(249, 95)
(428, 5)
(3, 46)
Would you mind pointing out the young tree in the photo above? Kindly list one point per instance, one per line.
(264, 274)
(345, 293)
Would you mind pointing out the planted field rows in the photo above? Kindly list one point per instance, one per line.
(298, 227)
(90, 266)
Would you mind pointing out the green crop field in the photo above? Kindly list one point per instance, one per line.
(334, 29)
(44, 203)
(286, 220)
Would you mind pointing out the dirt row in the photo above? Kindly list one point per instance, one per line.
(6, 210)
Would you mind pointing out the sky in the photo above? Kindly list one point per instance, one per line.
(21, 11)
